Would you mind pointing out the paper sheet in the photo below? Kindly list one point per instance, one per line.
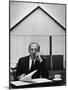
(28, 77)
(41, 80)
(26, 80)
(20, 83)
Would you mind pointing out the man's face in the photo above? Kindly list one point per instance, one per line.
(33, 50)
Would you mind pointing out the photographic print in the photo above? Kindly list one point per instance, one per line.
(37, 41)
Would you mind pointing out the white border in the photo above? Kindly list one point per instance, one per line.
(4, 43)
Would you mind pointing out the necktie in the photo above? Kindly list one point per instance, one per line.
(32, 63)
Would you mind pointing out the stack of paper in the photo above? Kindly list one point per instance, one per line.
(20, 83)
(27, 80)
(33, 81)
(41, 80)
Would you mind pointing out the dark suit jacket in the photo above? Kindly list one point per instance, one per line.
(23, 67)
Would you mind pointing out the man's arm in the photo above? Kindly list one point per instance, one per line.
(43, 69)
(19, 71)
(42, 66)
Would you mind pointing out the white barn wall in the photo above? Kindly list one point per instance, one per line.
(58, 45)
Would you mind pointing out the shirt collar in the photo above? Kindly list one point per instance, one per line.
(31, 59)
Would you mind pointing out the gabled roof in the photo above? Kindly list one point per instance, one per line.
(38, 7)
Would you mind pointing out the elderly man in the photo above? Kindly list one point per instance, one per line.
(32, 62)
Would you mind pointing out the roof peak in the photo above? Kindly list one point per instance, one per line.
(38, 7)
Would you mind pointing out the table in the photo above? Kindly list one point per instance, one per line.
(41, 82)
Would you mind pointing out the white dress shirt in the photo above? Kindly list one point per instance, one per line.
(30, 62)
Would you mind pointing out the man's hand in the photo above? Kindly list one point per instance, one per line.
(39, 58)
(19, 77)
(28, 77)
